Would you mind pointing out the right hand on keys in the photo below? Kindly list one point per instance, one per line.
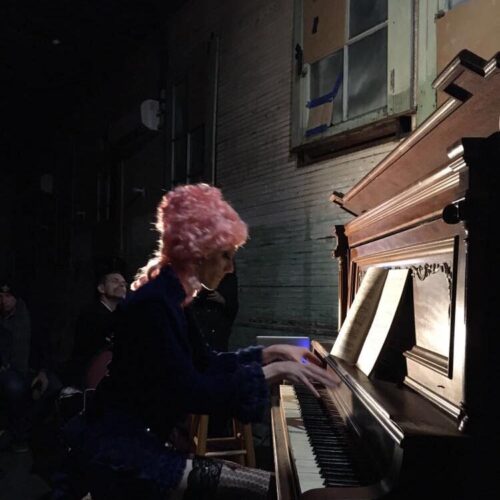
(299, 373)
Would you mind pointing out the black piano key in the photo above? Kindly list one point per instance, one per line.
(340, 475)
(330, 455)
(332, 461)
(326, 431)
(340, 482)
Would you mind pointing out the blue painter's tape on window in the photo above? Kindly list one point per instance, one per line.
(314, 103)
(318, 101)
(316, 130)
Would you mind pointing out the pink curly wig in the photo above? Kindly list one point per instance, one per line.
(194, 221)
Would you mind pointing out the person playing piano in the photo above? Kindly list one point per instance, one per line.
(162, 370)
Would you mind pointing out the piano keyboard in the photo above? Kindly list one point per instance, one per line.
(318, 441)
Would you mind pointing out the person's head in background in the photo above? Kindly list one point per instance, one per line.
(112, 289)
(8, 300)
(199, 235)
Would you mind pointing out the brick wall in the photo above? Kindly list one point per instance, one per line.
(287, 277)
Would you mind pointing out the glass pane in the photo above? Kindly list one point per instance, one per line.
(196, 154)
(180, 168)
(326, 75)
(367, 76)
(454, 3)
(180, 109)
(364, 14)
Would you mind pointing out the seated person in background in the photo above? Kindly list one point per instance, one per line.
(27, 385)
(215, 311)
(95, 324)
(161, 369)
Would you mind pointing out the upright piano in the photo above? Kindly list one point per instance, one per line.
(424, 422)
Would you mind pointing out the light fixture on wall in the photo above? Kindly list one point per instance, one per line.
(47, 183)
(151, 114)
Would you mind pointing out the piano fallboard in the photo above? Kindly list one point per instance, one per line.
(389, 426)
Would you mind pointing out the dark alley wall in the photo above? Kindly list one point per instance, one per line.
(73, 179)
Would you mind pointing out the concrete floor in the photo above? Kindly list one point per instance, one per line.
(17, 480)
(26, 476)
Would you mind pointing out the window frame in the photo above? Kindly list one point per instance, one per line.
(401, 94)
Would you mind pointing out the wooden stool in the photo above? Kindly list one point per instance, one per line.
(238, 447)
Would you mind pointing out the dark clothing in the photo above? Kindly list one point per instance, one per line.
(24, 351)
(93, 333)
(214, 318)
(162, 370)
(16, 338)
(24, 344)
(214, 313)
(116, 444)
(5, 346)
(16, 396)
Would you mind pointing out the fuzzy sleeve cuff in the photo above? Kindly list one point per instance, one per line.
(231, 361)
(252, 354)
(253, 393)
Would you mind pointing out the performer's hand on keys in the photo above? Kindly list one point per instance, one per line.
(299, 373)
(284, 352)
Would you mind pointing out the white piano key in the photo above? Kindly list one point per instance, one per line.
(307, 470)
(309, 484)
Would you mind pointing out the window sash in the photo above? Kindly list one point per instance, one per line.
(399, 77)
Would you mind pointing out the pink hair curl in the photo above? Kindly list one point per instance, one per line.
(194, 221)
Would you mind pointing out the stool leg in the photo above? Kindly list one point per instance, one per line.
(193, 426)
(201, 445)
(239, 443)
(248, 440)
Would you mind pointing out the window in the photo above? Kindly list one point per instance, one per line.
(354, 66)
(366, 81)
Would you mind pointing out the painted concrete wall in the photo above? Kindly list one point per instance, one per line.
(287, 277)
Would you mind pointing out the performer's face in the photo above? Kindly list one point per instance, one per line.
(212, 269)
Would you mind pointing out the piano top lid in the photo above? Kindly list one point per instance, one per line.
(472, 110)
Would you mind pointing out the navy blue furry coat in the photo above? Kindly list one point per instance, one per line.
(162, 368)
(161, 371)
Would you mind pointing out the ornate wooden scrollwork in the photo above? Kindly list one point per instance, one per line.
(424, 271)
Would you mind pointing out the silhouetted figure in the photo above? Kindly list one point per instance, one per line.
(27, 384)
(215, 312)
(95, 324)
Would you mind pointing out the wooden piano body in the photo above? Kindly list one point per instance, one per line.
(426, 416)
